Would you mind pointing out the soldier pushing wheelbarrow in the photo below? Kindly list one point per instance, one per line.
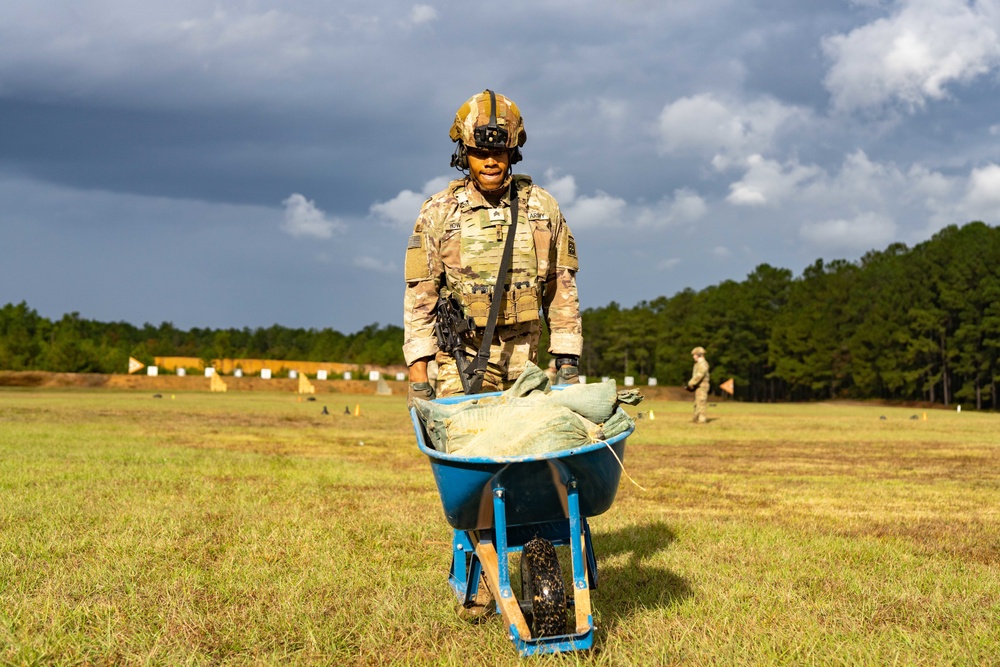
(520, 467)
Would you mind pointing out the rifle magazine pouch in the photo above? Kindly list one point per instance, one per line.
(477, 304)
(416, 267)
(525, 300)
(508, 309)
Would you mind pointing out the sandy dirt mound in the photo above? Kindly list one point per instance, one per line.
(187, 383)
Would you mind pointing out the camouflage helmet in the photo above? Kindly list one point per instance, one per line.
(698, 350)
(488, 120)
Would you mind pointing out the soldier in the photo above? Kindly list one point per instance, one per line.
(699, 384)
(456, 249)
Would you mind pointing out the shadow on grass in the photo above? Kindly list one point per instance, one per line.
(635, 584)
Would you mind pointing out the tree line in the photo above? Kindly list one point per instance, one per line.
(919, 323)
(73, 344)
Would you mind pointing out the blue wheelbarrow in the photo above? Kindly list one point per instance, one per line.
(530, 504)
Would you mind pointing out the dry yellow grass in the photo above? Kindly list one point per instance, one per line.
(247, 528)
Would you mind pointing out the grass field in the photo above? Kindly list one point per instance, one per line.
(247, 528)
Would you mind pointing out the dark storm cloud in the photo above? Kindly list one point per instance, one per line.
(246, 164)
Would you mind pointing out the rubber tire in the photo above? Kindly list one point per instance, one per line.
(542, 583)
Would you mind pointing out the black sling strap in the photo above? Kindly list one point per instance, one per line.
(477, 369)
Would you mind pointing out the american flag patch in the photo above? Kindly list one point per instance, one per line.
(414, 242)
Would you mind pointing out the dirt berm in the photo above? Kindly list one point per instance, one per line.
(186, 383)
(42, 379)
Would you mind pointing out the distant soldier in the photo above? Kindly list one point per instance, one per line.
(454, 256)
(699, 384)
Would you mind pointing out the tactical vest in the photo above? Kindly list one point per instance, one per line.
(483, 234)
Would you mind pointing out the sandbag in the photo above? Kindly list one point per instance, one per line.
(433, 415)
(517, 429)
(595, 402)
(616, 425)
(533, 379)
(529, 419)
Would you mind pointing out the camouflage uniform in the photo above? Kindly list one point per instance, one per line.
(456, 248)
(699, 382)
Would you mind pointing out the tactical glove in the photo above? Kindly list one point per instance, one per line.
(422, 390)
(689, 387)
(568, 370)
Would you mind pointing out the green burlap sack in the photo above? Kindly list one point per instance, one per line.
(435, 417)
(595, 402)
(532, 380)
(529, 419)
(518, 428)
(616, 425)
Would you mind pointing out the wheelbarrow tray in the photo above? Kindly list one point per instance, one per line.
(536, 484)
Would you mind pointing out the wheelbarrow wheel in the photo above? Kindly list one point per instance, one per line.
(542, 585)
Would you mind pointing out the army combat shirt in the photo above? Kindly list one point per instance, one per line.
(456, 247)
(699, 375)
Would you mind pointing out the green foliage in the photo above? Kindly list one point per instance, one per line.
(920, 324)
(75, 345)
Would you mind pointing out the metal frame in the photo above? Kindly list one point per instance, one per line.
(474, 549)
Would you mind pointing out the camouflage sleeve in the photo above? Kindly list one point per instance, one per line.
(423, 273)
(560, 300)
(698, 373)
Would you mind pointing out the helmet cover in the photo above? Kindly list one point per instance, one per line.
(488, 120)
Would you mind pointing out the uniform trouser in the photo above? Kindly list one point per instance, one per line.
(513, 346)
(700, 404)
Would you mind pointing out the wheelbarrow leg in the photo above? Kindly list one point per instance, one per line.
(581, 552)
(465, 567)
(496, 569)
(475, 603)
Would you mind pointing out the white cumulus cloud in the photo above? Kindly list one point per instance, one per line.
(982, 198)
(685, 206)
(563, 188)
(420, 14)
(862, 232)
(402, 210)
(768, 182)
(913, 55)
(303, 218)
(600, 210)
(705, 124)
(603, 210)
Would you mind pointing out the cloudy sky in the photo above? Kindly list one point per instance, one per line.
(229, 164)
